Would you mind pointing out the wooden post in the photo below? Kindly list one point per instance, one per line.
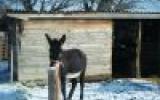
(11, 65)
(12, 48)
(15, 52)
(10, 51)
(54, 84)
(138, 50)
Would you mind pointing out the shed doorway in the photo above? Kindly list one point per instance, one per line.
(150, 48)
(124, 48)
(136, 48)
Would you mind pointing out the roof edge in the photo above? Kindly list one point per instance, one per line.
(85, 16)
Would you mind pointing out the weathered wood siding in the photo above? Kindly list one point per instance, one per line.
(94, 37)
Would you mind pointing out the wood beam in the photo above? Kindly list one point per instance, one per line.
(138, 50)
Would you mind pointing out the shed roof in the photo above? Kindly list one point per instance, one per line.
(98, 15)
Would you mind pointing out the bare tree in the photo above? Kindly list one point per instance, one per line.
(3, 8)
(115, 5)
(28, 4)
(105, 5)
(58, 5)
(40, 5)
(88, 5)
(53, 5)
(42, 8)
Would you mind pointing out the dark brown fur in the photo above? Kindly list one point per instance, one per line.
(73, 61)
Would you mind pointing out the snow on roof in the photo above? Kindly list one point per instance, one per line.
(85, 16)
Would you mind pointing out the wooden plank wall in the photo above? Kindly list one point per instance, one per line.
(94, 37)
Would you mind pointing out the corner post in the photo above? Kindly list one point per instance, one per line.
(138, 50)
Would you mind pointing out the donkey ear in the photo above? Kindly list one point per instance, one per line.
(62, 39)
(48, 38)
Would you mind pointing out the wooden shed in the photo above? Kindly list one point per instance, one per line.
(93, 36)
(117, 45)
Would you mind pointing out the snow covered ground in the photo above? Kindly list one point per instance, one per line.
(4, 72)
(119, 89)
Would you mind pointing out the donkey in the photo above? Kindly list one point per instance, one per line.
(73, 64)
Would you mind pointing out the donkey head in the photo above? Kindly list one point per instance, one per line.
(55, 48)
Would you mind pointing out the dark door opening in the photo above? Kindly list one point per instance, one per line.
(150, 48)
(126, 52)
(124, 48)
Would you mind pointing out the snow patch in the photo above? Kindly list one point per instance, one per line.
(4, 72)
(118, 89)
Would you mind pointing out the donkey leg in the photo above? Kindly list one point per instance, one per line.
(63, 82)
(63, 87)
(74, 84)
(82, 84)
